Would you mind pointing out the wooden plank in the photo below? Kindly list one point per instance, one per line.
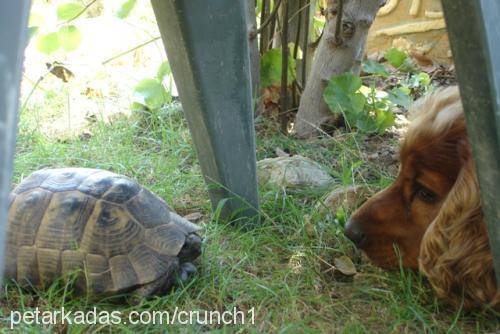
(208, 49)
(13, 34)
(474, 33)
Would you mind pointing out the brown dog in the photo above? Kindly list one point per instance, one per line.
(430, 218)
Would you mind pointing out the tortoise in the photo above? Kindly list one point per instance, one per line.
(117, 234)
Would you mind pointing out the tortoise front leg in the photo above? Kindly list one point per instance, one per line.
(158, 286)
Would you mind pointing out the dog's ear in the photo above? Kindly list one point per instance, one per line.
(455, 253)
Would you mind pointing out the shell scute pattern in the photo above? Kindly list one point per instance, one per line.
(33, 181)
(122, 273)
(27, 266)
(110, 231)
(97, 184)
(166, 239)
(66, 179)
(117, 234)
(149, 210)
(64, 219)
(122, 191)
(148, 262)
(72, 260)
(109, 187)
(49, 265)
(26, 213)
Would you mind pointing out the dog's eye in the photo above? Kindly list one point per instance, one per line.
(426, 195)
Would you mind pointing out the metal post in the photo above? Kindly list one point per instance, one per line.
(208, 49)
(13, 36)
(474, 33)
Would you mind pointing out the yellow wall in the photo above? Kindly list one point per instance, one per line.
(413, 25)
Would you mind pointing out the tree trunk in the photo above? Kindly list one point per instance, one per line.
(334, 57)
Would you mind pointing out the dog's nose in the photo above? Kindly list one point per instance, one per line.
(354, 232)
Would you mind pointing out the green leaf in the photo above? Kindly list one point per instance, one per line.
(421, 79)
(319, 23)
(341, 94)
(48, 43)
(401, 97)
(125, 9)
(424, 78)
(358, 102)
(395, 57)
(69, 37)
(365, 123)
(68, 11)
(270, 68)
(347, 82)
(164, 71)
(136, 106)
(151, 93)
(384, 120)
(340, 216)
(374, 67)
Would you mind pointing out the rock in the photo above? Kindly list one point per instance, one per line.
(345, 266)
(294, 172)
(281, 153)
(349, 197)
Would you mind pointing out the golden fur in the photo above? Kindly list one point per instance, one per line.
(432, 212)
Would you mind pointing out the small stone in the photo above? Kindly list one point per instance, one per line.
(295, 172)
(345, 265)
(281, 153)
(348, 197)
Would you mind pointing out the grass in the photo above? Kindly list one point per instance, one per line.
(278, 269)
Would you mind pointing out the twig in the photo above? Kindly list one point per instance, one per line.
(296, 50)
(297, 36)
(35, 86)
(315, 43)
(272, 28)
(263, 16)
(80, 13)
(131, 50)
(302, 7)
(284, 70)
(297, 12)
(267, 20)
(305, 44)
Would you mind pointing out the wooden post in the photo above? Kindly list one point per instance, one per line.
(13, 34)
(207, 45)
(474, 33)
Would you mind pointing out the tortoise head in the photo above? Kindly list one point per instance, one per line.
(191, 249)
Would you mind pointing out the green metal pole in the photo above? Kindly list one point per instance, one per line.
(474, 33)
(13, 37)
(208, 49)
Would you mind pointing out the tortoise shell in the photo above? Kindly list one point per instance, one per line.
(117, 233)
